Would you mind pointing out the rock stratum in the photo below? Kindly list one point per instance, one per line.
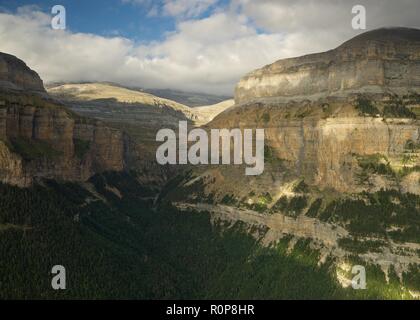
(141, 115)
(40, 138)
(379, 61)
(327, 115)
(341, 127)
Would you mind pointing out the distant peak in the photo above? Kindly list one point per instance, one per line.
(392, 34)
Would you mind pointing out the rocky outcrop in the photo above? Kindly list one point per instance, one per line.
(328, 151)
(339, 126)
(379, 61)
(39, 138)
(326, 115)
(139, 114)
(15, 74)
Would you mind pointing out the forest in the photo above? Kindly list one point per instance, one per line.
(115, 246)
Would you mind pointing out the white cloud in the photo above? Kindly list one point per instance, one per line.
(187, 8)
(207, 54)
(175, 8)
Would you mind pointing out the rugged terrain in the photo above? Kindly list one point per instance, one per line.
(340, 185)
(40, 138)
(141, 115)
(342, 145)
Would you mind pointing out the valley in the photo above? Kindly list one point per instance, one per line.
(81, 186)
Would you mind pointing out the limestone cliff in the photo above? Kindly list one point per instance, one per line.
(326, 115)
(15, 74)
(39, 138)
(342, 147)
(141, 115)
(383, 60)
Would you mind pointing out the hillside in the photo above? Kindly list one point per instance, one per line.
(139, 114)
(80, 185)
(40, 138)
(205, 114)
(342, 152)
(191, 99)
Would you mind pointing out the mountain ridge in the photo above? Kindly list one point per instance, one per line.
(366, 63)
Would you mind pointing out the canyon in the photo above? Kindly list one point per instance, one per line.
(340, 127)
(341, 147)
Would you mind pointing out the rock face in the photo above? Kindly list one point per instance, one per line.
(338, 125)
(40, 138)
(328, 152)
(15, 74)
(345, 120)
(141, 115)
(383, 60)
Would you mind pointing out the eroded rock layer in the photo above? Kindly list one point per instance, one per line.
(40, 138)
(383, 60)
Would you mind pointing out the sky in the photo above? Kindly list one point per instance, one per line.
(190, 45)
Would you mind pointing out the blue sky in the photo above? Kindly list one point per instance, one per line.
(191, 45)
(130, 19)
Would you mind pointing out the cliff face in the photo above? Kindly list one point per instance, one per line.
(383, 60)
(348, 122)
(342, 133)
(327, 115)
(141, 115)
(337, 152)
(41, 139)
(15, 74)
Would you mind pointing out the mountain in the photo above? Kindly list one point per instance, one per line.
(40, 138)
(205, 114)
(340, 186)
(376, 62)
(141, 115)
(102, 226)
(342, 152)
(191, 99)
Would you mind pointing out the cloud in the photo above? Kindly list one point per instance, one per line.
(208, 54)
(187, 8)
(176, 8)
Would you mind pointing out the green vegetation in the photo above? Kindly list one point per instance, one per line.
(365, 107)
(31, 149)
(398, 111)
(373, 164)
(123, 249)
(377, 284)
(81, 147)
(266, 117)
(261, 205)
(271, 158)
(396, 108)
(379, 164)
(411, 146)
(360, 246)
(291, 207)
(376, 214)
(314, 208)
(413, 98)
(228, 200)
(301, 187)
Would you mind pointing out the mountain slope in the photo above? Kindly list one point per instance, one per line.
(40, 138)
(205, 114)
(118, 248)
(342, 152)
(379, 61)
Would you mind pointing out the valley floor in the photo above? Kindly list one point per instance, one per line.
(115, 245)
